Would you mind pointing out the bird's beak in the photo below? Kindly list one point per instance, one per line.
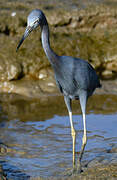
(26, 33)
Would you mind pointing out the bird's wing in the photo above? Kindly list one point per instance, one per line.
(58, 85)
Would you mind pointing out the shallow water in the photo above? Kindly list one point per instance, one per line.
(37, 138)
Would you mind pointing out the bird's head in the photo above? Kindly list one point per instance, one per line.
(35, 18)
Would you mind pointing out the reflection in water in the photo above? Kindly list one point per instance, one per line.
(38, 138)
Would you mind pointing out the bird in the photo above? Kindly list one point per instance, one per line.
(75, 77)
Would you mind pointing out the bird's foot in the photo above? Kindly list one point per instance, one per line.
(73, 172)
(79, 169)
(70, 172)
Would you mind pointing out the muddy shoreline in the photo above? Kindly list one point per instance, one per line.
(37, 89)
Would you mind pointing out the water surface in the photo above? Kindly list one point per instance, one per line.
(38, 138)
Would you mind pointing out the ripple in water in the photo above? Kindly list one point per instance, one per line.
(44, 148)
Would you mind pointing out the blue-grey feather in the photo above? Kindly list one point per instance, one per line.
(74, 75)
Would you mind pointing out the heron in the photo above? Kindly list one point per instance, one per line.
(75, 77)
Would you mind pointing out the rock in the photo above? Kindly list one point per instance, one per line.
(10, 71)
(112, 66)
(3, 148)
(106, 74)
(88, 33)
(113, 150)
(48, 85)
(42, 74)
(59, 18)
(14, 71)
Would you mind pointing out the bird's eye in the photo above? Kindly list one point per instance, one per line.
(36, 21)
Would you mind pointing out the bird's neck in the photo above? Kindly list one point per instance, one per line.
(52, 57)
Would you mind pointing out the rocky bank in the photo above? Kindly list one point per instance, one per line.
(87, 30)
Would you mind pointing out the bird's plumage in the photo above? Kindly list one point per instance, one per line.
(75, 77)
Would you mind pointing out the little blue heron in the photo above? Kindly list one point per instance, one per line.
(75, 78)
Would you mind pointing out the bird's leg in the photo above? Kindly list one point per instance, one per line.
(84, 141)
(83, 101)
(73, 133)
